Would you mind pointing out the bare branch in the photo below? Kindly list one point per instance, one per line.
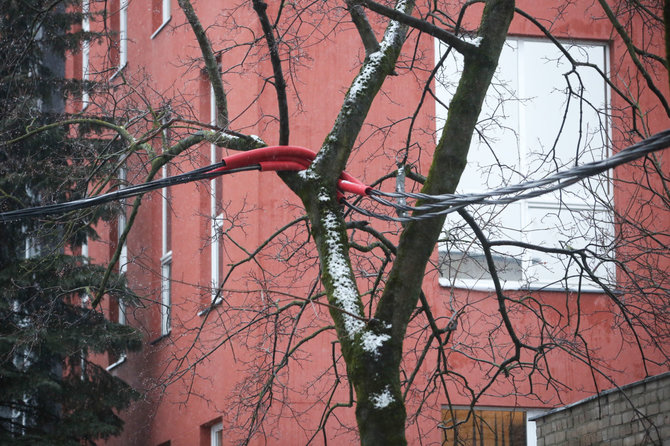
(366, 32)
(280, 84)
(632, 53)
(458, 44)
(211, 65)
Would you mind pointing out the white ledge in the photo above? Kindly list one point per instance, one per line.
(160, 28)
(118, 71)
(121, 360)
(515, 285)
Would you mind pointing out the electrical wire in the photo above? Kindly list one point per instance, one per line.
(272, 158)
(131, 191)
(293, 158)
(436, 205)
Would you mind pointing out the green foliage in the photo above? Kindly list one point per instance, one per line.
(50, 390)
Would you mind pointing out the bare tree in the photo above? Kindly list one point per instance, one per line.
(516, 291)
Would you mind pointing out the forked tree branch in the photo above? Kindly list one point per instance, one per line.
(366, 32)
(451, 39)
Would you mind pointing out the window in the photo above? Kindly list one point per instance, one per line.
(160, 15)
(488, 427)
(166, 260)
(117, 307)
(539, 117)
(85, 53)
(216, 435)
(216, 247)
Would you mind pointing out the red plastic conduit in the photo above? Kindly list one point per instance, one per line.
(288, 158)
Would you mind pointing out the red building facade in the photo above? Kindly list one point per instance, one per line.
(223, 267)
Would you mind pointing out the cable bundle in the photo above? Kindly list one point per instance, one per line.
(435, 205)
(292, 158)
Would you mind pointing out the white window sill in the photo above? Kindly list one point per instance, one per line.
(160, 338)
(121, 360)
(515, 285)
(160, 28)
(118, 71)
(211, 307)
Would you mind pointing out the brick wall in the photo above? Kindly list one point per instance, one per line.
(636, 414)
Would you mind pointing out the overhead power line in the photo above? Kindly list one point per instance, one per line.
(431, 206)
(292, 158)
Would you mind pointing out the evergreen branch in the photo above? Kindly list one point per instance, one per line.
(93, 121)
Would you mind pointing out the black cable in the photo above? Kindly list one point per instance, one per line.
(131, 191)
(436, 205)
(432, 206)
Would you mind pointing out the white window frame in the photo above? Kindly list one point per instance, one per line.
(216, 428)
(165, 15)
(524, 207)
(123, 261)
(85, 53)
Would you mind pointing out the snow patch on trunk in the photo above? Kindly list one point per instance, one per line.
(383, 399)
(345, 292)
(371, 342)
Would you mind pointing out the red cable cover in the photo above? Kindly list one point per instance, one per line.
(288, 158)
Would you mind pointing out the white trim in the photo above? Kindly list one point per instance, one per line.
(217, 227)
(160, 28)
(531, 426)
(217, 220)
(166, 11)
(120, 361)
(123, 38)
(487, 285)
(123, 34)
(164, 216)
(166, 263)
(117, 72)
